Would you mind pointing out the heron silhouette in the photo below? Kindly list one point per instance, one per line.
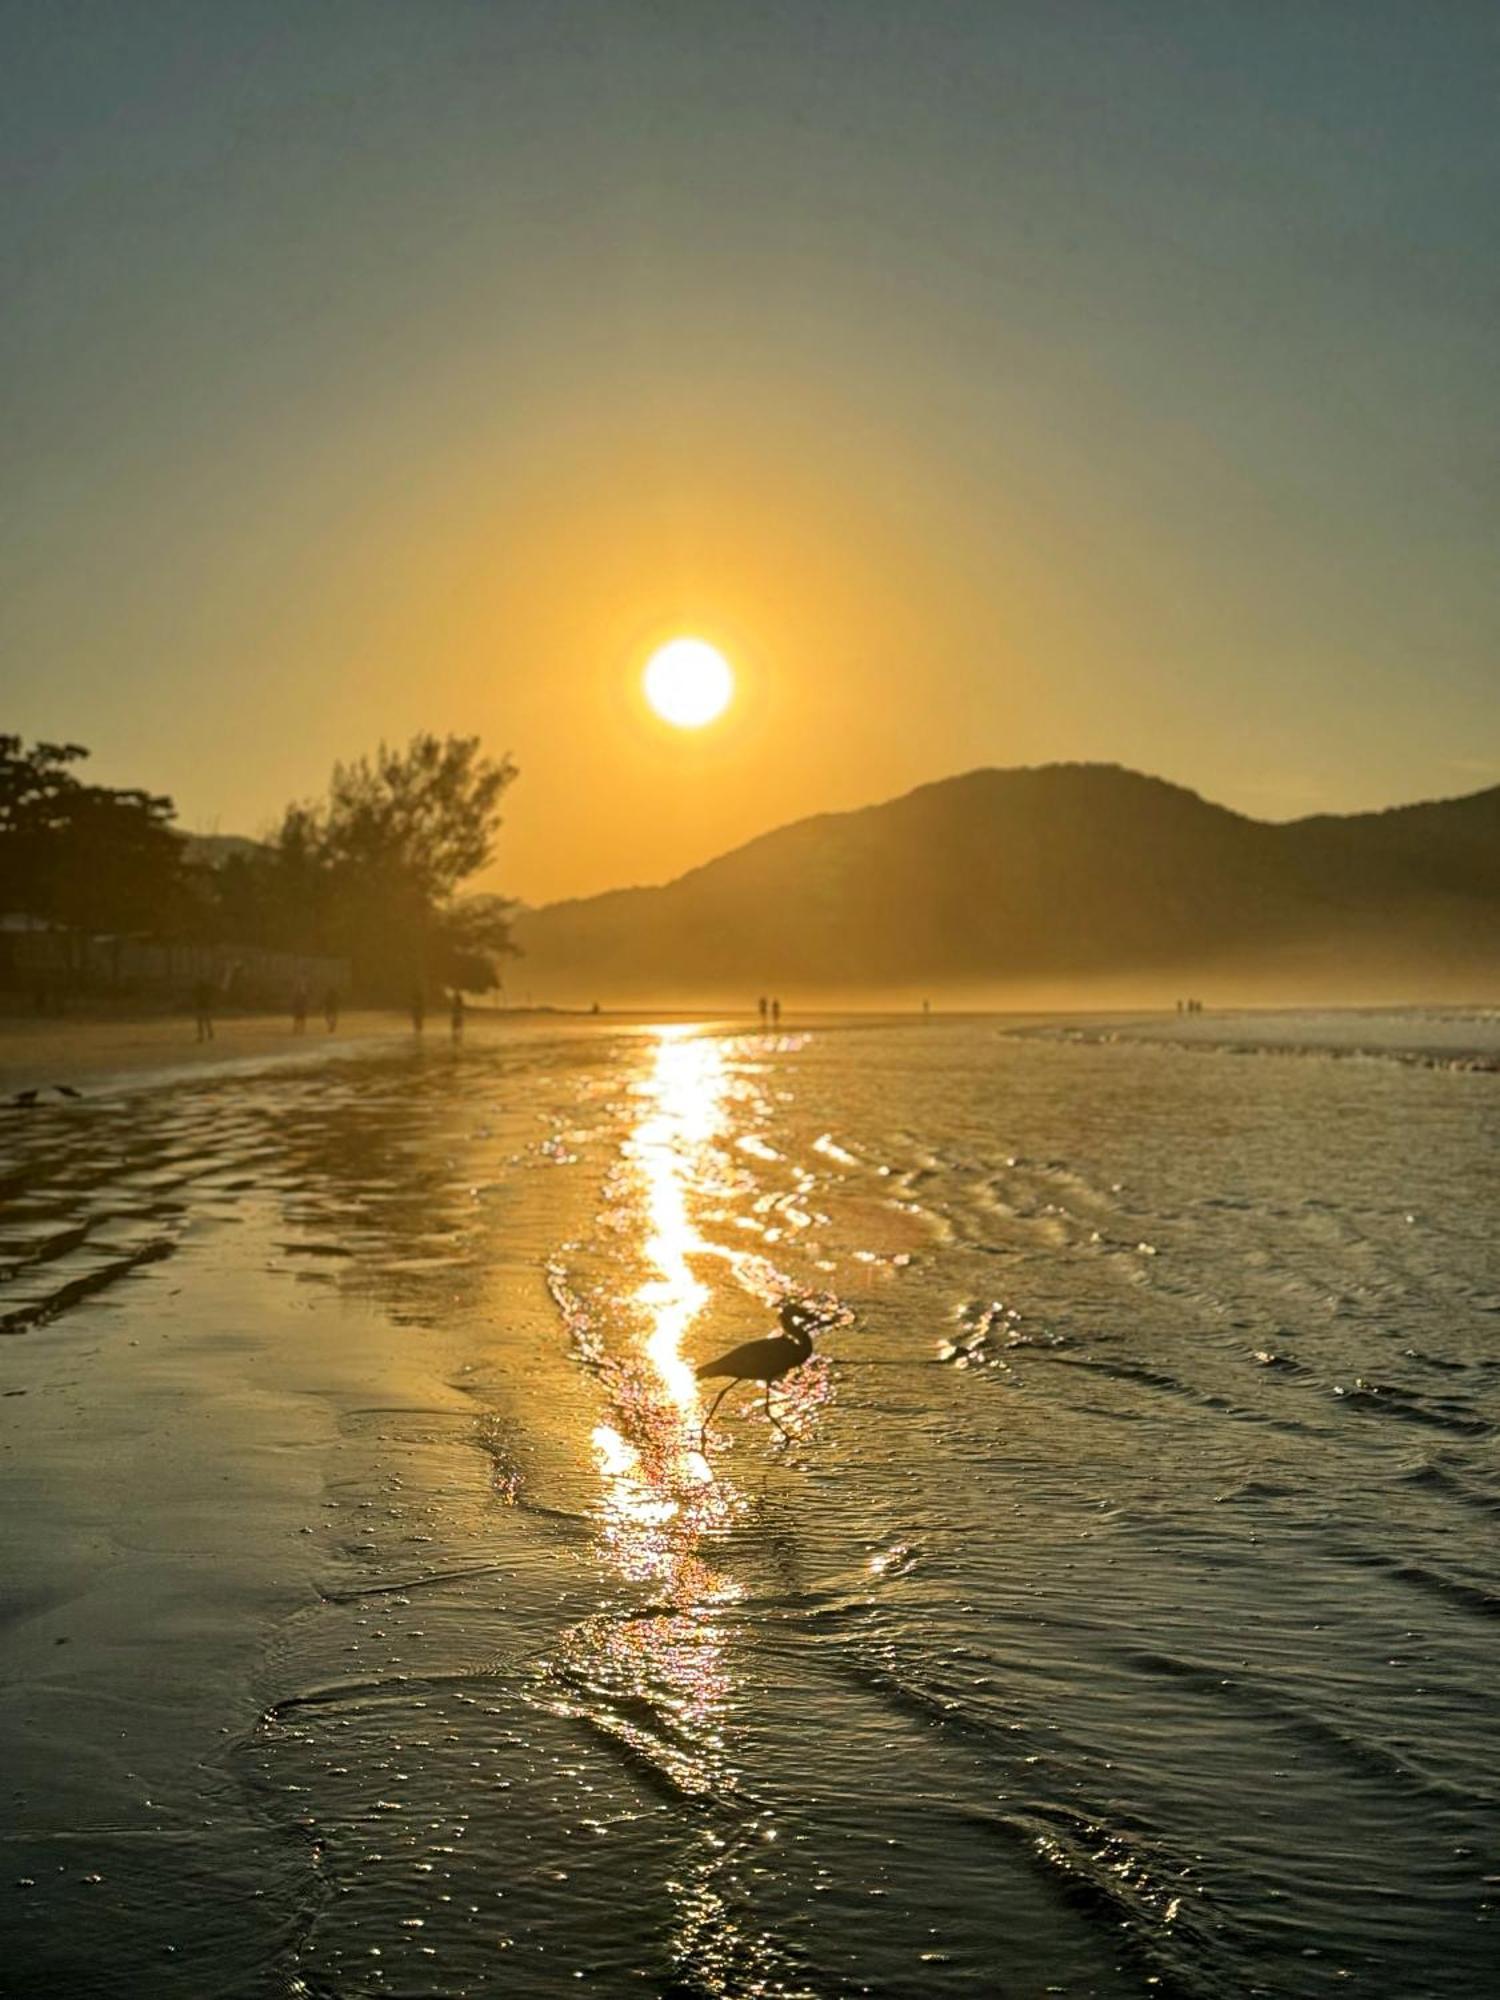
(764, 1361)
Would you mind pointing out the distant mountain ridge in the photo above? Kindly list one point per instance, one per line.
(1004, 884)
(212, 850)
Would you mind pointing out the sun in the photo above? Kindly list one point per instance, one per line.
(688, 683)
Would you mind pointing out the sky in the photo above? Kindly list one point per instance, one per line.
(993, 383)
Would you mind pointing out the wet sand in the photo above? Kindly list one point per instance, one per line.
(38, 1052)
(148, 1049)
(177, 1412)
(1117, 1624)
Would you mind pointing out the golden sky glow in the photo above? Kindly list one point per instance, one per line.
(434, 376)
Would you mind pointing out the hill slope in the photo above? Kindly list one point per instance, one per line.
(1069, 879)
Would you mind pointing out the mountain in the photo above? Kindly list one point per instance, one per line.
(212, 850)
(1041, 886)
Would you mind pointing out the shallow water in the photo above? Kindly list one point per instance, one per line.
(1119, 1620)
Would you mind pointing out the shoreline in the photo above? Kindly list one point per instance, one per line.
(36, 1054)
(141, 1049)
(104, 1051)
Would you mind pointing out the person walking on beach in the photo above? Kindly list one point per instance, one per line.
(203, 1009)
(418, 1010)
(456, 1015)
(775, 1013)
(299, 1008)
(331, 1009)
(763, 1003)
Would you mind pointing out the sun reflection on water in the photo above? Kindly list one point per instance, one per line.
(670, 1149)
(668, 1144)
(660, 1493)
(661, 1500)
(656, 1671)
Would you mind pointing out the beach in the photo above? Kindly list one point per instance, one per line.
(1116, 1621)
(38, 1051)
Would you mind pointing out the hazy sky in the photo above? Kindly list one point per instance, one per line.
(995, 383)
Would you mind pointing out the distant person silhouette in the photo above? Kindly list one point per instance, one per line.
(203, 1009)
(331, 1008)
(764, 1005)
(775, 1013)
(456, 1014)
(418, 1010)
(299, 1008)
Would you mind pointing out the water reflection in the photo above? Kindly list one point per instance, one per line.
(659, 1493)
(661, 1676)
(671, 1149)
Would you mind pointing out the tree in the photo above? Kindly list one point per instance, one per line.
(88, 857)
(34, 790)
(377, 866)
(469, 937)
(428, 813)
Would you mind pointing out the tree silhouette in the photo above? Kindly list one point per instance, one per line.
(89, 857)
(376, 867)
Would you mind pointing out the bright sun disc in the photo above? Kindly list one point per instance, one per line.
(688, 683)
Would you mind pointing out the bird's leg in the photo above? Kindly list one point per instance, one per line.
(703, 1427)
(775, 1419)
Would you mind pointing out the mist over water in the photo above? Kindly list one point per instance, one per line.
(1119, 1621)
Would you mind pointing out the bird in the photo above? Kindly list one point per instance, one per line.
(26, 1098)
(66, 1090)
(764, 1361)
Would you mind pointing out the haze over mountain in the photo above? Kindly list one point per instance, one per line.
(1071, 883)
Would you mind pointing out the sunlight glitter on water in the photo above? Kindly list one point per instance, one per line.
(660, 1496)
(660, 1492)
(1070, 1644)
(686, 1090)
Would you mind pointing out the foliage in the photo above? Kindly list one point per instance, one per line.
(374, 869)
(428, 814)
(88, 857)
(371, 873)
(472, 934)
